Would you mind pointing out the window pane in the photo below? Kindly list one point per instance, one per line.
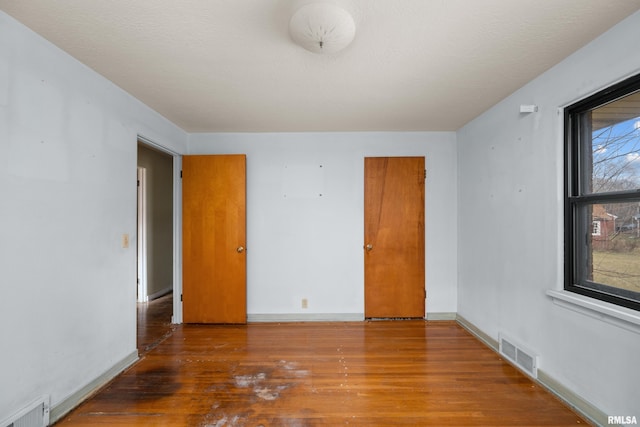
(615, 146)
(602, 216)
(615, 245)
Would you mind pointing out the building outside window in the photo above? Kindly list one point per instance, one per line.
(602, 209)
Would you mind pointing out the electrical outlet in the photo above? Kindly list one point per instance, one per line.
(125, 241)
(305, 303)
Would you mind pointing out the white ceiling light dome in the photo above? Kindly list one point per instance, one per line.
(322, 27)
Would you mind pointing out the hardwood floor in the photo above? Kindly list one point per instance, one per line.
(154, 323)
(310, 374)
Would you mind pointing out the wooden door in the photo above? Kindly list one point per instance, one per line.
(213, 239)
(394, 237)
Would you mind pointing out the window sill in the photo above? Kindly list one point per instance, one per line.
(623, 317)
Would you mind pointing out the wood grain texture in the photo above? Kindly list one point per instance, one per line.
(213, 228)
(154, 322)
(394, 229)
(380, 373)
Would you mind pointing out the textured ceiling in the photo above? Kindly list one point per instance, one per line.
(230, 65)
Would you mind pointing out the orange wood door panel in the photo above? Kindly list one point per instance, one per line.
(394, 250)
(213, 239)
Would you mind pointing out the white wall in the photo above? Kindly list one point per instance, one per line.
(311, 247)
(68, 141)
(510, 228)
(493, 221)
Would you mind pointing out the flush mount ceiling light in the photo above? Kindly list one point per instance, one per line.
(322, 27)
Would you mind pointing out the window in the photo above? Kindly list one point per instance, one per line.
(602, 210)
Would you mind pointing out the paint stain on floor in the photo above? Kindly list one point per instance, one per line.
(260, 385)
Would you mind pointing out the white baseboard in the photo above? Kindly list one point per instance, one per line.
(329, 317)
(577, 403)
(442, 316)
(301, 317)
(490, 342)
(160, 293)
(70, 402)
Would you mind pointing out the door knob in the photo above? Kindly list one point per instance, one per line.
(369, 247)
(240, 249)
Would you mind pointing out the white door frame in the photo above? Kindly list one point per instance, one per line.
(177, 226)
(142, 236)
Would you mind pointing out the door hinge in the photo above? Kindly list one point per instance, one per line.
(180, 297)
(138, 183)
(425, 293)
(180, 174)
(425, 174)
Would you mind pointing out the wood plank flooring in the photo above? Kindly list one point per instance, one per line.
(154, 323)
(378, 373)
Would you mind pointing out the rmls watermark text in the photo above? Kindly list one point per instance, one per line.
(623, 420)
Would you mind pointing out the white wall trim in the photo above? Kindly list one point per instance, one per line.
(177, 226)
(490, 342)
(330, 317)
(148, 142)
(160, 293)
(177, 240)
(622, 317)
(442, 316)
(574, 401)
(301, 317)
(577, 403)
(142, 235)
(70, 402)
